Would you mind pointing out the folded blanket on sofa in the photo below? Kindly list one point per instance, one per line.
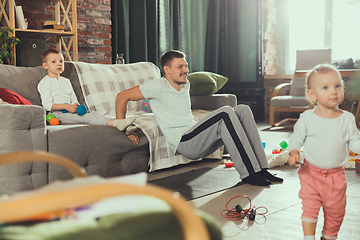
(100, 85)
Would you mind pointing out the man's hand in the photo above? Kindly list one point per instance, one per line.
(134, 137)
(294, 158)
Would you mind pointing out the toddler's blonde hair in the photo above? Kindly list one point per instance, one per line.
(321, 68)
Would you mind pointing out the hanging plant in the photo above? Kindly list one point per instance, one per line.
(7, 41)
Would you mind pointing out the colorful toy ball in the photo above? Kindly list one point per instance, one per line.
(54, 121)
(81, 110)
(49, 117)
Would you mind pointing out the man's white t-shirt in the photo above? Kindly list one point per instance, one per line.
(172, 108)
(56, 91)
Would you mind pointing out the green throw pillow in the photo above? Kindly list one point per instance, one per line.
(205, 83)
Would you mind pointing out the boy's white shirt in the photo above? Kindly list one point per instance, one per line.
(56, 91)
(325, 141)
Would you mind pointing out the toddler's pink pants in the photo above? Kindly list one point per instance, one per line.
(323, 188)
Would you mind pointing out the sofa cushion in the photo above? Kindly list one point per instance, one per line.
(205, 83)
(101, 83)
(11, 97)
(286, 101)
(23, 81)
(71, 74)
(344, 63)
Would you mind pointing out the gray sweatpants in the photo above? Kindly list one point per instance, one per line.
(233, 127)
(89, 118)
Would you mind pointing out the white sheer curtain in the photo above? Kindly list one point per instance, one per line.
(316, 24)
(346, 33)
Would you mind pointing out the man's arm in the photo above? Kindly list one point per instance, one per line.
(122, 98)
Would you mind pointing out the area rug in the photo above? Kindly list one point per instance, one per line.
(200, 182)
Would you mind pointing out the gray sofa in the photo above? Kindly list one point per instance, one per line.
(101, 150)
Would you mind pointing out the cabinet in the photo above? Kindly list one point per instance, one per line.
(66, 15)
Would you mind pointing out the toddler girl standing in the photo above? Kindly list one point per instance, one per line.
(325, 132)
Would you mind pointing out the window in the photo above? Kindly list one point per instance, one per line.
(323, 24)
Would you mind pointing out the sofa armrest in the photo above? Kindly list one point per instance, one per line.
(212, 102)
(22, 127)
(21, 117)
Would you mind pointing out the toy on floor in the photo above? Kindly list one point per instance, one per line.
(352, 153)
(228, 163)
(239, 213)
(283, 145)
(51, 119)
(357, 165)
(280, 159)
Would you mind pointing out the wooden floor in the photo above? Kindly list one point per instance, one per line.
(284, 206)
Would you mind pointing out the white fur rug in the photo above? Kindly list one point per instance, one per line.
(280, 159)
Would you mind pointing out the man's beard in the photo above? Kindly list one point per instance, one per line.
(179, 83)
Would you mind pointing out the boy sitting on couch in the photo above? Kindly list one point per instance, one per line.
(57, 94)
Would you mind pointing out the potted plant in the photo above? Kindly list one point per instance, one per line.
(7, 41)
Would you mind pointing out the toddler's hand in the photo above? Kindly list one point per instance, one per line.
(71, 108)
(294, 158)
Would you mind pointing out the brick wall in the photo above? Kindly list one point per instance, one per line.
(94, 26)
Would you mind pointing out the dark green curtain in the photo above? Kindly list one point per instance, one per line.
(145, 29)
(135, 30)
(231, 39)
(217, 36)
(182, 26)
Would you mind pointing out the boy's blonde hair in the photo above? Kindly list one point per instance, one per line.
(47, 52)
(321, 68)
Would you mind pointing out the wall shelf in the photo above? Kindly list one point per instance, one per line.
(62, 13)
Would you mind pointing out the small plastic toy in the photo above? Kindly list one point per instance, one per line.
(357, 165)
(80, 110)
(49, 117)
(229, 164)
(283, 145)
(352, 153)
(145, 106)
(54, 121)
(276, 151)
